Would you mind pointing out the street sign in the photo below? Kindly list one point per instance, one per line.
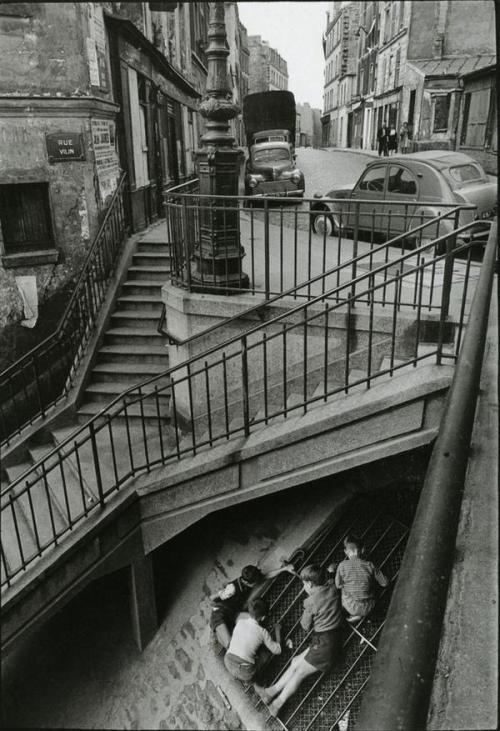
(64, 147)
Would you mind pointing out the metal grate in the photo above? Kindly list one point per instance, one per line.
(324, 699)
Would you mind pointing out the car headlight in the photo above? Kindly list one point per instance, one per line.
(252, 182)
(296, 176)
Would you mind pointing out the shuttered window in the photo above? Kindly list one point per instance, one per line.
(25, 217)
(475, 121)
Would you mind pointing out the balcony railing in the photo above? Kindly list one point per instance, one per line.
(42, 377)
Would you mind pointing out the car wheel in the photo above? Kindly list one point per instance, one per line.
(323, 224)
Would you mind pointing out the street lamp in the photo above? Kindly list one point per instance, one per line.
(218, 258)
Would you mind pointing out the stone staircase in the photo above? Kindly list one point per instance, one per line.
(133, 350)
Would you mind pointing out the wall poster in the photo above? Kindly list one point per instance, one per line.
(106, 159)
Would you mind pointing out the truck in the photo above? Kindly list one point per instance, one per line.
(270, 169)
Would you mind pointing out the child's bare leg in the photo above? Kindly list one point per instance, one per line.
(301, 671)
(223, 635)
(267, 694)
(287, 675)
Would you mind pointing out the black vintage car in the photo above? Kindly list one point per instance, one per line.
(271, 170)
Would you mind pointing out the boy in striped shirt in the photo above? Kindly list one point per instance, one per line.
(356, 577)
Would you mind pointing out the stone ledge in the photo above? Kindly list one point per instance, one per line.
(30, 258)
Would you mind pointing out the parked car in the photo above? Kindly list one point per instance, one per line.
(271, 171)
(425, 179)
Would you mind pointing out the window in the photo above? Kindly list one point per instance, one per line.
(464, 173)
(25, 217)
(401, 181)
(476, 110)
(198, 26)
(271, 155)
(373, 179)
(441, 111)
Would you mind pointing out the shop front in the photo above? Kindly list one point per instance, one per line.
(156, 126)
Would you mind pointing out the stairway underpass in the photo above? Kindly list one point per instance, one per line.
(382, 520)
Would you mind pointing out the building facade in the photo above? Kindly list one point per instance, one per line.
(339, 45)
(308, 131)
(238, 65)
(411, 63)
(88, 91)
(268, 71)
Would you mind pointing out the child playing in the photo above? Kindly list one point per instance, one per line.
(248, 637)
(355, 577)
(228, 603)
(323, 615)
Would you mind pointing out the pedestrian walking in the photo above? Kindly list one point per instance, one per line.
(392, 141)
(321, 613)
(382, 140)
(404, 138)
(249, 636)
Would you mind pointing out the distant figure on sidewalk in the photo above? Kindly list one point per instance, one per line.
(322, 613)
(404, 138)
(382, 140)
(248, 637)
(356, 578)
(229, 602)
(392, 141)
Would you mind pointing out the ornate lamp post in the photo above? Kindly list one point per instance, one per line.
(218, 260)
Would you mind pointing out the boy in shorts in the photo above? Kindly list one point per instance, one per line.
(229, 602)
(356, 578)
(322, 614)
(248, 637)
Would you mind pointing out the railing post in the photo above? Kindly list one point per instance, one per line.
(244, 381)
(445, 297)
(97, 468)
(266, 250)
(357, 206)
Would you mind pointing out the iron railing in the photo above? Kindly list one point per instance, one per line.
(43, 376)
(296, 359)
(396, 699)
(280, 246)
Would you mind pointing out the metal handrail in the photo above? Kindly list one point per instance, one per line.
(137, 394)
(66, 342)
(132, 390)
(351, 263)
(398, 692)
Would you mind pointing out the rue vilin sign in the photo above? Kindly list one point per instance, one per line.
(64, 147)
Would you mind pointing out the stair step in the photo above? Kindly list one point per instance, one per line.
(123, 335)
(107, 391)
(138, 287)
(126, 372)
(91, 408)
(158, 275)
(153, 245)
(151, 259)
(134, 353)
(134, 318)
(140, 302)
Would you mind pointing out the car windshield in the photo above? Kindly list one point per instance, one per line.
(271, 154)
(464, 173)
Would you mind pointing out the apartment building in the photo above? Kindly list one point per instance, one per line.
(268, 71)
(412, 61)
